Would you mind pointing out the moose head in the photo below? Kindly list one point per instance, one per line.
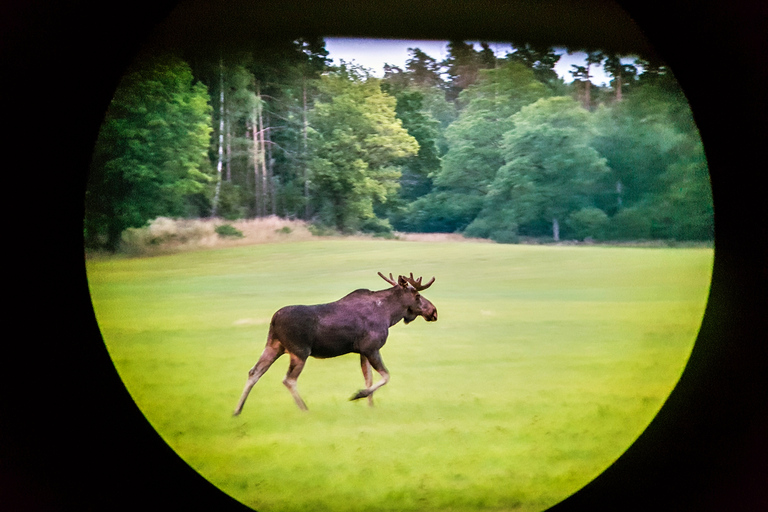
(416, 304)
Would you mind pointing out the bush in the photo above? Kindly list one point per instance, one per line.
(501, 232)
(163, 231)
(588, 222)
(320, 229)
(231, 200)
(440, 212)
(631, 224)
(377, 227)
(226, 230)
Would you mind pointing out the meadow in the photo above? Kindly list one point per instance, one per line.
(546, 363)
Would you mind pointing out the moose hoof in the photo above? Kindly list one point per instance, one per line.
(360, 394)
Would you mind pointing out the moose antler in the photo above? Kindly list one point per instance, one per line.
(391, 279)
(416, 283)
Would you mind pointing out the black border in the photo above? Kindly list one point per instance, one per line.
(71, 437)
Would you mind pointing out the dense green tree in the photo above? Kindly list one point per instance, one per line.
(550, 170)
(417, 170)
(425, 113)
(473, 140)
(623, 74)
(151, 155)
(582, 75)
(356, 140)
(654, 150)
(541, 59)
(424, 70)
(639, 144)
(486, 56)
(474, 144)
(462, 65)
(685, 211)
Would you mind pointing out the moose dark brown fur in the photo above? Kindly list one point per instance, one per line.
(357, 323)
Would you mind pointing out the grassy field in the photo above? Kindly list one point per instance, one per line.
(546, 363)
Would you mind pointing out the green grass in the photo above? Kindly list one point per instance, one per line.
(546, 363)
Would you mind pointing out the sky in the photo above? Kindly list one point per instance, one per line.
(373, 53)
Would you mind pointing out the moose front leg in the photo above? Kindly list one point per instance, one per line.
(374, 360)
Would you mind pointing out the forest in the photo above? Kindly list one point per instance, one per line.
(486, 146)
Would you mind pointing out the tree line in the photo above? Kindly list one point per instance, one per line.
(493, 147)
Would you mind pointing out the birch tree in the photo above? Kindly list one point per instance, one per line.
(220, 160)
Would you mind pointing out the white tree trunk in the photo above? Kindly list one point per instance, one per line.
(256, 159)
(229, 149)
(306, 163)
(270, 169)
(220, 162)
(555, 229)
(262, 160)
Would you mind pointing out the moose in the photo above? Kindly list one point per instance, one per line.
(357, 323)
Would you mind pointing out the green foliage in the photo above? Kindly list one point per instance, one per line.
(550, 166)
(380, 228)
(356, 141)
(685, 210)
(417, 170)
(441, 211)
(500, 228)
(151, 154)
(228, 230)
(588, 222)
(541, 59)
(475, 144)
(631, 224)
(318, 229)
(231, 201)
(638, 143)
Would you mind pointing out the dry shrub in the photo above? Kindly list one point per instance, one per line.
(267, 230)
(439, 237)
(164, 235)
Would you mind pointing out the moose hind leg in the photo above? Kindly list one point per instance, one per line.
(297, 364)
(375, 360)
(272, 351)
(367, 375)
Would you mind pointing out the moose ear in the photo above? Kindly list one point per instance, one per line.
(402, 281)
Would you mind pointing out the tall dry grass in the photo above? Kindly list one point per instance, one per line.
(165, 235)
